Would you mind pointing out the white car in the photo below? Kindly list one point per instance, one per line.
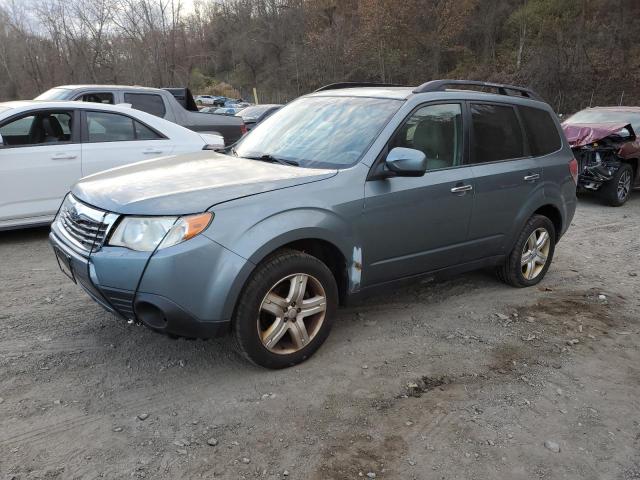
(205, 99)
(45, 147)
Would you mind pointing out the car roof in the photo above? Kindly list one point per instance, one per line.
(397, 93)
(105, 87)
(64, 104)
(404, 93)
(26, 105)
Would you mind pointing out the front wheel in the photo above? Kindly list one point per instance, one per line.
(617, 190)
(285, 310)
(532, 254)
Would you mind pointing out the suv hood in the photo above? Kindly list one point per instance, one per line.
(184, 184)
(581, 134)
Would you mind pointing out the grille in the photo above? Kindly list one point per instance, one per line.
(86, 227)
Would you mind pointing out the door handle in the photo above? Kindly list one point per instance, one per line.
(462, 189)
(152, 152)
(63, 156)
(532, 177)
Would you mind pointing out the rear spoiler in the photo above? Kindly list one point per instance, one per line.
(184, 97)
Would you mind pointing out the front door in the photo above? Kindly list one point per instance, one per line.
(39, 162)
(413, 225)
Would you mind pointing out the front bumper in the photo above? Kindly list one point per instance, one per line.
(184, 290)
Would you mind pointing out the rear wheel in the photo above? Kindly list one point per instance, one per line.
(286, 310)
(532, 254)
(617, 190)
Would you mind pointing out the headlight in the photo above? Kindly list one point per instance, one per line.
(144, 234)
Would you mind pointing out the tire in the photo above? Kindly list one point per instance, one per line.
(518, 274)
(270, 294)
(617, 190)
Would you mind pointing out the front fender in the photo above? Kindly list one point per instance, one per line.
(256, 241)
(289, 226)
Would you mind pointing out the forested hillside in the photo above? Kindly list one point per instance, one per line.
(574, 52)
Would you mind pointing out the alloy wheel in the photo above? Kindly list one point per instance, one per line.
(292, 313)
(535, 253)
(624, 185)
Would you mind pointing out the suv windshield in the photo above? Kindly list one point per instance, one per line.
(606, 116)
(54, 94)
(319, 132)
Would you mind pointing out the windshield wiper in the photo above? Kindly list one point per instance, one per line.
(272, 159)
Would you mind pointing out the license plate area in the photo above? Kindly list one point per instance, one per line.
(64, 262)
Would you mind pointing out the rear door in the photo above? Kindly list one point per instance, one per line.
(506, 176)
(111, 140)
(39, 162)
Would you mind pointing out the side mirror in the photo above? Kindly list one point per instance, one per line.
(406, 162)
(1, 142)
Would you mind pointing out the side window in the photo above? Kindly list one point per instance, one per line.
(145, 133)
(497, 134)
(436, 130)
(37, 129)
(147, 102)
(109, 127)
(64, 119)
(98, 97)
(541, 131)
(16, 132)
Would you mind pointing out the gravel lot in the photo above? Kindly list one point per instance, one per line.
(465, 379)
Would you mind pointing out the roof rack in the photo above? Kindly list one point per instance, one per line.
(502, 89)
(335, 86)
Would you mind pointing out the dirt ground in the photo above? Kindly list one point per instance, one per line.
(462, 379)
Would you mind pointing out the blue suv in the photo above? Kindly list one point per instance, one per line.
(339, 194)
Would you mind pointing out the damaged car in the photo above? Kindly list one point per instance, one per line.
(605, 143)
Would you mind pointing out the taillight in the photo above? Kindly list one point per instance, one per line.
(243, 129)
(573, 168)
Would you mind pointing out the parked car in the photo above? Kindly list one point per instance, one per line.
(173, 104)
(605, 143)
(227, 111)
(45, 147)
(205, 99)
(339, 194)
(254, 114)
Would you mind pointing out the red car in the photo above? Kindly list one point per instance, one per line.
(605, 144)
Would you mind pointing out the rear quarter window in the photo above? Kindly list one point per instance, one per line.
(541, 131)
(147, 102)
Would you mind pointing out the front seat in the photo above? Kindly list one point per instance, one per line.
(52, 130)
(431, 137)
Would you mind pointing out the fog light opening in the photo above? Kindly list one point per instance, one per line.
(150, 315)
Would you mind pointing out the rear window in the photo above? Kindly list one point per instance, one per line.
(541, 131)
(147, 102)
(497, 134)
